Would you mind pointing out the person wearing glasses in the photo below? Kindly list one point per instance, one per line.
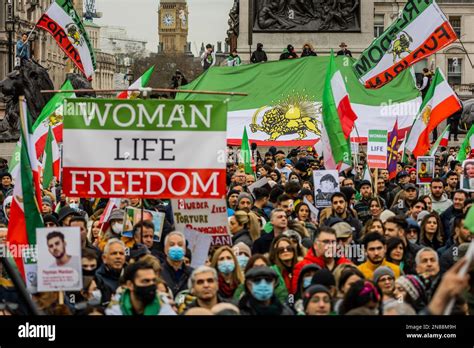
(259, 297)
(322, 253)
(375, 247)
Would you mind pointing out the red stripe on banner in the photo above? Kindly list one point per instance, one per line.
(347, 116)
(144, 183)
(48, 24)
(442, 36)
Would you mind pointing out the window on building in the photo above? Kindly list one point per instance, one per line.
(379, 25)
(455, 71)
(456, 24)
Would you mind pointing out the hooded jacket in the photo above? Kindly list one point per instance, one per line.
(312, 258)
(259, 55)
(441, 205)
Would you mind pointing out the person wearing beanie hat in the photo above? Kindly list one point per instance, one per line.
(362, 207)
(50, 220)
(317, 300)
(65, 215)
(245, 202)
(259, 297)
(243, 254)
(410, 289)
(385, 279)
(47, 205)
(412, 175)
(325, 278)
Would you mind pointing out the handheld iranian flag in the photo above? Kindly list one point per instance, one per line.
(442, 141)
(467, 148)
(421, 30)
(63, 23)
(140, 83)
(51, 160)
(246, 154)
(338, 119)
(25, 214)
(440, 103)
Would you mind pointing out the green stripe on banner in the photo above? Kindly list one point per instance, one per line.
(142, 115)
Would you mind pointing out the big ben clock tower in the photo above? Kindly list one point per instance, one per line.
(173, 26)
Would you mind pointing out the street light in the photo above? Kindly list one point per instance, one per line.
(10, 29)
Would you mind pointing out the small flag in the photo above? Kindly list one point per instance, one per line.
(467, 147)
(393, 152)
(442, 141)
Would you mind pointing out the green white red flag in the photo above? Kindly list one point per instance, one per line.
(25, 214)
(442, 141)
(421, 30)
(338, 119)
(63, 23)
(246, 154)
(440, 103)
(140, 83)
(51, 161)
(467, 148)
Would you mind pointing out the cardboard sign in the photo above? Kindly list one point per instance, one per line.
(467, 177)
(199, 244)
(208, 216)
(134, 216)
(425, 169)
(325, 184)
(59, 259)
(377, 149)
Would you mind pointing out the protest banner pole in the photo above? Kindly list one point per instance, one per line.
(465, 51)
(376, 176)
(61, 297)
(164, 90)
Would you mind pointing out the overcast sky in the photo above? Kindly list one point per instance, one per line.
(207, 19)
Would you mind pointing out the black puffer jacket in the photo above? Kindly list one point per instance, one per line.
(177, 281)
(249, 306)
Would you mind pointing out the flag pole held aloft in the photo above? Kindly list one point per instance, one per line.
(165, 90)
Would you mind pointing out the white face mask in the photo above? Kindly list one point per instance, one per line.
(74, 206)
(97, 296)
(117, 227)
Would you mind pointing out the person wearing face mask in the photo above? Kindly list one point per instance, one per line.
(174, 271)
(259, 297)
(139, 296)
(229, 273)
(115, 229)
(243, 254)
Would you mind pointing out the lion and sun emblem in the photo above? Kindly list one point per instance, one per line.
(294, 115)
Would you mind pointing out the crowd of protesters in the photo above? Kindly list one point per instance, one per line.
(393, 249)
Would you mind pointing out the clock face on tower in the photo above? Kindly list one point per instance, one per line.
(168, 20)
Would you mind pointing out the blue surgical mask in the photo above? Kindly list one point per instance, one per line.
(176, 253)
(226, 267)
(262, 291)
(74, 206)
(307, 282)
(243, 260)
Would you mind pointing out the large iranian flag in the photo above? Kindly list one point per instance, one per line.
(421, 30)
(338, 119)
(25, 214)
(140, 83)
(284, 102)
(440, 103)
(63, 23)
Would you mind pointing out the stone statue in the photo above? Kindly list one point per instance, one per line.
(233, 31)
(307, 15)
(28, 81)
(78, 81)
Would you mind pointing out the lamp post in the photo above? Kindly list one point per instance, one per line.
(129, 74)
(10, 29)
